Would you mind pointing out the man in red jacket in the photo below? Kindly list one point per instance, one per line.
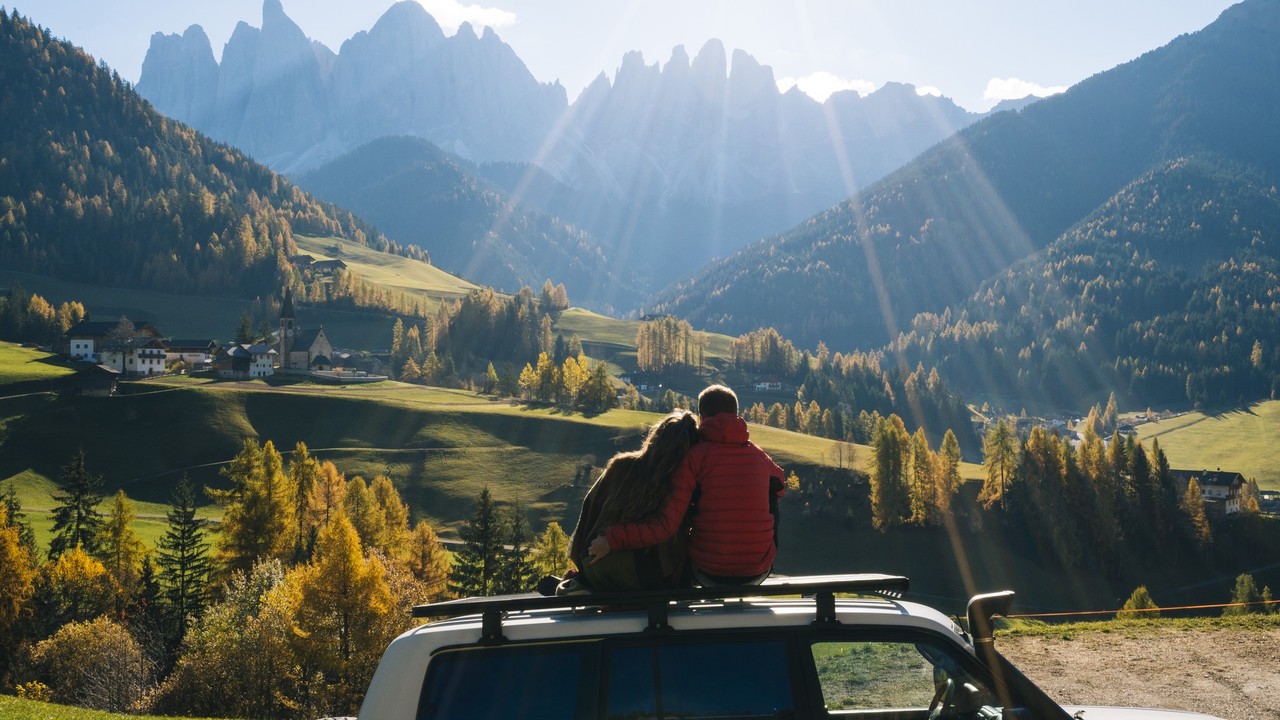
(733, 537)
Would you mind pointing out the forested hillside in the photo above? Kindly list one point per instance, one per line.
(926, 237)
(96, 186)
(1169, 293)
(423, 196)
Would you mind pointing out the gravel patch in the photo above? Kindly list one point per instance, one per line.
(1232, 674)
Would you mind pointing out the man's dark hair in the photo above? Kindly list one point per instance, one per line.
(717, 399)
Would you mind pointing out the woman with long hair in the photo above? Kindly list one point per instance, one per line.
(632, 487)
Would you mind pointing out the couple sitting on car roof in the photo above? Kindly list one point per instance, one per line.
(696, 504)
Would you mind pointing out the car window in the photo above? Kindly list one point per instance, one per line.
(870, 676)
(701, 680)
(554, 682)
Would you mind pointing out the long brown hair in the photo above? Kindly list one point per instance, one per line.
(643, 478)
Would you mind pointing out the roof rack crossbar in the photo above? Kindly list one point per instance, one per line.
(889, 586)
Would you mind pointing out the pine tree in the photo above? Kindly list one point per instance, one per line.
(17, 519)
(183, 557)
(76, 520)
(479, 560)
(516, 575)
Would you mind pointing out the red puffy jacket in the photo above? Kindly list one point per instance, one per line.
(732, 532)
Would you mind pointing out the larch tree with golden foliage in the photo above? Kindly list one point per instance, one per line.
(395, 518)
(1193, 506)
(304, 472)
(1000, 456)
(258, 515)
(550, 553)
(120, 548)
(343, 597)
(428, 561)
(17, 583)
(326, 497)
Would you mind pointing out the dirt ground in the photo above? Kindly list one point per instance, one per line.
(1231, 674)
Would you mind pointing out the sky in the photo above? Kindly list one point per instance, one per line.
(976, 53)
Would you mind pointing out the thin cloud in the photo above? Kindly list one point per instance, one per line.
(450, 14)
(929, 90)
(821, 85)
(1016, 89)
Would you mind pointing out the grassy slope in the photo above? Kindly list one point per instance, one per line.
(19, 364)
(12, 708)
(1240, 440)
(395, 272)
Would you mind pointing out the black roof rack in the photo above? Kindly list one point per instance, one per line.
(822, 587)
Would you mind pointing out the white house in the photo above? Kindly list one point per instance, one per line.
(1220, 489)
(87, 339)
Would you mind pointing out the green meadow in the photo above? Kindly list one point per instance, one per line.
(19, 364)
(1245, 440)
(12, 708)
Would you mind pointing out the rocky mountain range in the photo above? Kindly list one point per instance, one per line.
(1116, 236)
(696, 156)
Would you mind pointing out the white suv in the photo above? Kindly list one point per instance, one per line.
(742, 652)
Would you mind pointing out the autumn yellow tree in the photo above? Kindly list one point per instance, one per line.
(258, 517)
(343, 596)
(550, 553)
(394, 536)
(17, 583)
(429, 561)
(1193, 506)
(73, 587)
(325, 499)
(120, 549)
(304, 471)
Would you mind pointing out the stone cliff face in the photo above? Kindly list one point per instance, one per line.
(295, 104)
(180, 76)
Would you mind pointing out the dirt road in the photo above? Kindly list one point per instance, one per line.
(1232, 674)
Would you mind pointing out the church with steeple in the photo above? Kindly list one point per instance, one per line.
(302, 349)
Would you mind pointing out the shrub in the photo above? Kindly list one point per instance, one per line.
(1139, 606)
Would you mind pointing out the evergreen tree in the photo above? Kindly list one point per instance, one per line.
(76, 520)
(516, 575)
(17, 519)
(479, 560)
(183, 557)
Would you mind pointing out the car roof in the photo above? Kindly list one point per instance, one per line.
(772, 604)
